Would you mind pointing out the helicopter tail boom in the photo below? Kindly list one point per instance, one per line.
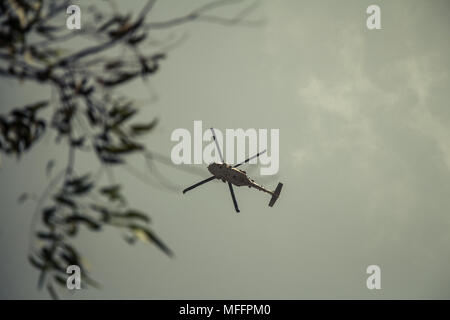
(275, 194)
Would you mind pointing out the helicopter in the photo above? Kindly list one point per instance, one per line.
(234, 176)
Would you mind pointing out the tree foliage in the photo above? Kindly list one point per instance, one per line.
(88, 115)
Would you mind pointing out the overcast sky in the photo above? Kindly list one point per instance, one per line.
(364, 157)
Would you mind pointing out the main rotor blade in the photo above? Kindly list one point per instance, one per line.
(217, 145)
(255, 156)
(199, 184)
(233, 197)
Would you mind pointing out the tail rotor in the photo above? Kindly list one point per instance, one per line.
(275, 194)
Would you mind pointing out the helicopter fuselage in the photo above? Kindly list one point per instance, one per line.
(232, 175)
(227, 173)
